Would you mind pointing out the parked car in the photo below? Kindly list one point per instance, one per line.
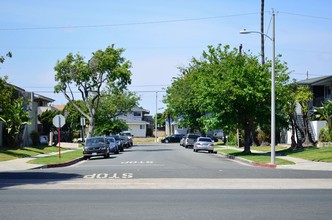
(113, 145)
(182, 140)
(204, 143)
(128, 137)
(175, 138)
(190, 140)
(214, 138)
(96, 146)
(118, 142)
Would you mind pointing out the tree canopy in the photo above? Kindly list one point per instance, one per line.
(106, 69)
(227, 89)
(12, 112)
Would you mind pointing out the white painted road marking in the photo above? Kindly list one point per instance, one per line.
(137, 162)
(174, 183)
(107, 176)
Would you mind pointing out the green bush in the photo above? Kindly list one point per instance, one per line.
(232, 138)
(34, 135)
(325, 135)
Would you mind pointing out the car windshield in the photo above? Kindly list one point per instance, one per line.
(93, 141)
(116, 137)
(193, 136)
(112, 140)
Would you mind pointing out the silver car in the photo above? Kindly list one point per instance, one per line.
(190, 140)
(204, 143)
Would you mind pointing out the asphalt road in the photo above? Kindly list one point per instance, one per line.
(165, 182)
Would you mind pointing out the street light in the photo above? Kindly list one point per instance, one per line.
(273, 113)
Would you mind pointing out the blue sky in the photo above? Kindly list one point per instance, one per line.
(159, 36)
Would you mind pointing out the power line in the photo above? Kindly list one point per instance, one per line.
(125, 24)
(307, 16)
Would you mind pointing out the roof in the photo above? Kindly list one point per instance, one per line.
(140, 109)
(59, 107)
(317, 81)
(43, 98)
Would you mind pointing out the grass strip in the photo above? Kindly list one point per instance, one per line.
(255, 157)
(310, 153)
(14, 153)
(54, 159)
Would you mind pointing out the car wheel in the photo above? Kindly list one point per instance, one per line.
(166, 141)
(86, 158)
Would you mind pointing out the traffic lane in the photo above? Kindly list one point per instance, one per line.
(173, 161)
(157, 161)
(166, 204)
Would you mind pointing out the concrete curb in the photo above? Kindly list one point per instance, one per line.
(68, 163)
(248, 161)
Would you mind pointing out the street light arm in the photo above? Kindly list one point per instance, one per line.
(244, 31)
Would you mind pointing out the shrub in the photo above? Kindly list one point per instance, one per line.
(325, 135)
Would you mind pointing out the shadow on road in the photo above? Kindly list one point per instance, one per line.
(8, 179)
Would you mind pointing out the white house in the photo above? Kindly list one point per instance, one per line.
(136, 121)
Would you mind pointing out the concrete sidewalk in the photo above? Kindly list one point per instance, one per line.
(22, 163)
(300, 164)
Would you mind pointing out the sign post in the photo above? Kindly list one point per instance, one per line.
(59, 121)
(83, 126)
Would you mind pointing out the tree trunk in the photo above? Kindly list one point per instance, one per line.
(307, 140)
(91, 127)
(293, 140)
(247, 136)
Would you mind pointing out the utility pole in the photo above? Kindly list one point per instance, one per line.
(262, 32)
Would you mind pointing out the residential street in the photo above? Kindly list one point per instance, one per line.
(165, 181)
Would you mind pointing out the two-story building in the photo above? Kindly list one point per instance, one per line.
(137, 121)
(35, 103)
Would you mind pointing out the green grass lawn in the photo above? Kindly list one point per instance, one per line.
(268, 148)
(311, 153)
(14, 153)
(255, 157)
(65, 157)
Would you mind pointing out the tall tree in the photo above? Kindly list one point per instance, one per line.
(227, 89)
(113, 105)
(106, 68)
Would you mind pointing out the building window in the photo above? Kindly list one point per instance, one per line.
(137, 114)
(142, 127)
(327, 92)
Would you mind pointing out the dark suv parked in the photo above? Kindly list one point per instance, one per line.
(175, 138)
(96, 146)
